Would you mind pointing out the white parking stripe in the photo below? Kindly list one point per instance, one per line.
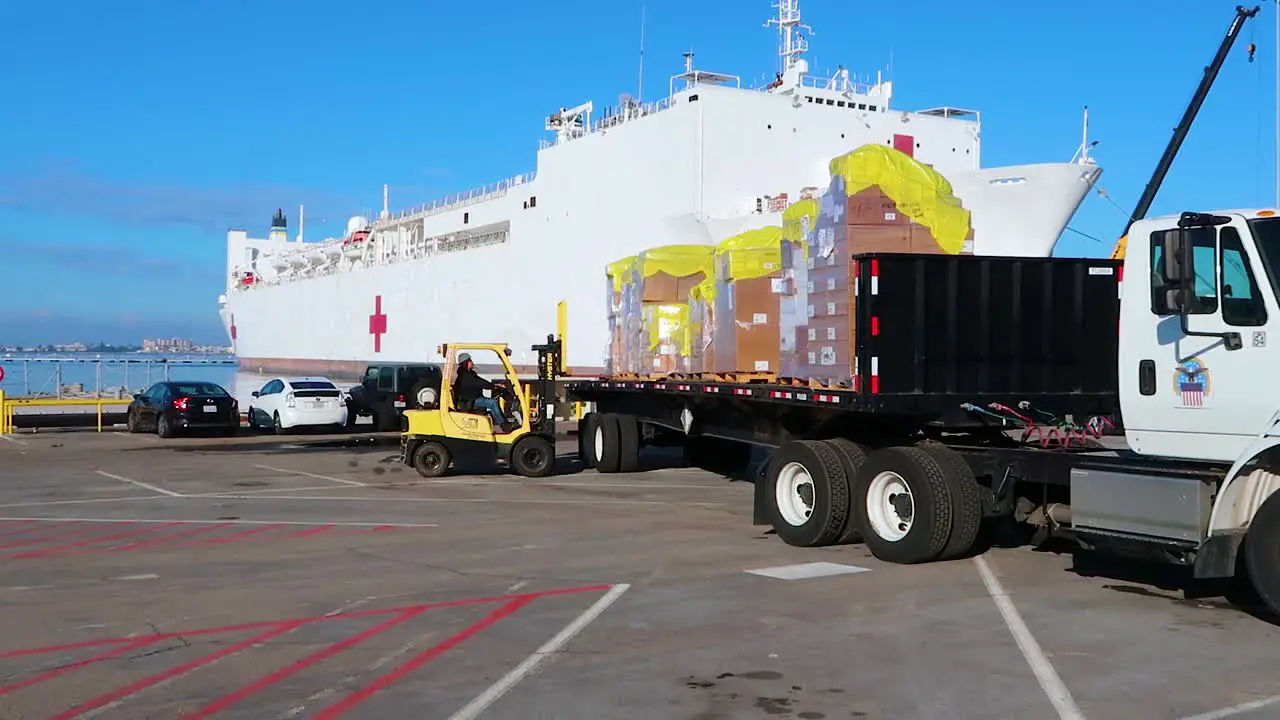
(139, 483)
(311, 475)
(528, 665)
(1053, 686)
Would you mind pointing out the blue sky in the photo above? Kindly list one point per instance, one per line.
(132, 135)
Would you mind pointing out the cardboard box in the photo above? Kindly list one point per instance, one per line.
(750, 284)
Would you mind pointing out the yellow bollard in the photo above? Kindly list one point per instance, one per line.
(99, 416)
(4, 415)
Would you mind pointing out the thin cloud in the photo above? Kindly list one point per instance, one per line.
(93, 258)
(59, 188)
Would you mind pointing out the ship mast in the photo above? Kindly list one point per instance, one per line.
(791, 44)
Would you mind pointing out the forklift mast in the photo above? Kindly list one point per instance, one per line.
(543, 421)
(1184, 125)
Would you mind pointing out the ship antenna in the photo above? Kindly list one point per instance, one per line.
(791, 44)
(640, 87)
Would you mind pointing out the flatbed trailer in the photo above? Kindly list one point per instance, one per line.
(954, 418)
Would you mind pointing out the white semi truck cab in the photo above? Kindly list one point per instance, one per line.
(1197, 381)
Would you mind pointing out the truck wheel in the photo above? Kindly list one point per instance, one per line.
(431, 459)
(808, 493)
(533, 456)
(1262, 552)
(851, 457)
(902, 505)
(587, 428)
(966, 499)
(617, 443)
(628, 443)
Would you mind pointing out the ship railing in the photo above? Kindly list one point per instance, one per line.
(613, 116)
(818, 82)
(457, 200)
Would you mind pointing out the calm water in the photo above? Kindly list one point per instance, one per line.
(23, 376)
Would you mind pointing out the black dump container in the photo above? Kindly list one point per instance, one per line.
(966, 329)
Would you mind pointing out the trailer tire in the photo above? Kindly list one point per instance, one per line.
(617, 440)
(820, 518)
(884, 476)
(628, 443)
(1262, 553)
(966, 500)
(587, 425)
(851, 455)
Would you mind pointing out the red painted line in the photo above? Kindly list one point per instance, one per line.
(275, 677)
(55, 550)
(313, 531)
(241, 535)
(302, 621)
(9, 524)
(51, 674)
(90, 528)
(431, 653)
(42, 528)
(168, 538)
(124, 692)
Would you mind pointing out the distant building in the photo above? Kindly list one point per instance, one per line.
(163, 345)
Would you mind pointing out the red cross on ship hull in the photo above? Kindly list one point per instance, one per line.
(377, 324)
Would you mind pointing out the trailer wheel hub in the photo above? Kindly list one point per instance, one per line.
(794, 494)
(890, 506)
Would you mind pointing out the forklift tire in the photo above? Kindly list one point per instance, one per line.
(533, 456)
(1262, 553)
(431, 459)
(587, 427)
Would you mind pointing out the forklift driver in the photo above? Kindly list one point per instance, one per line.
(468, 391)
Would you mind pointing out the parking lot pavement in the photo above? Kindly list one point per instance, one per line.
(315, 577)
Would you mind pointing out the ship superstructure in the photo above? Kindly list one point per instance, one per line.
(709, 160)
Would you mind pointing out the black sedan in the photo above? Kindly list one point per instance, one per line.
(170, 407)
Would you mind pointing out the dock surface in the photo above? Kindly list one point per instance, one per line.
(264, 577)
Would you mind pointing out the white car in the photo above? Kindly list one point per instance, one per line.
(286, 403)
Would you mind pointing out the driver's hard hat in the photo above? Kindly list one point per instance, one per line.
(463, 357)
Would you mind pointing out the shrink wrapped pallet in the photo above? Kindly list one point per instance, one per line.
(616, 275)
(798, 224)
(654, 309)
(749, 289)
(878, 200)
(665, 337)
(702, 327)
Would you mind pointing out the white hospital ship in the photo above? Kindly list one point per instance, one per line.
(710, 160)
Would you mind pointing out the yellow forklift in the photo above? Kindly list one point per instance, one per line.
(450, 430)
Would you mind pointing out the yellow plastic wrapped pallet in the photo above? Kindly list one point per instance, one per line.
(701, 326)
(752, 254)
(667, 330)
(666, 274)
(918, 190)
(616, 271)
(676, 260)
(798, 220)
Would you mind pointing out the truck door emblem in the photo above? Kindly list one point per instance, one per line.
(1191, 380)
(1259, 339)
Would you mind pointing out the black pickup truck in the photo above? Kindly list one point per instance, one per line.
(387, 389)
